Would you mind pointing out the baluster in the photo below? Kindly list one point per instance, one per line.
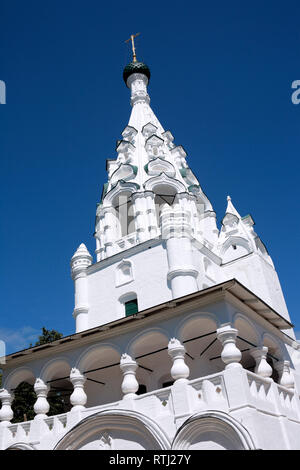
(262, 368)
(286, 377)
(41, 406)
(6, 412)
(130, 384)
(78, 398)
(230, 355)
(179, 370)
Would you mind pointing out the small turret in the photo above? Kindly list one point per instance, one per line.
(232, 217)
(80, 261)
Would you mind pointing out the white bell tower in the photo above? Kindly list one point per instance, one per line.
(156, 233)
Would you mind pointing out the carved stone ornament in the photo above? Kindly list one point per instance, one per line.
(105, 441)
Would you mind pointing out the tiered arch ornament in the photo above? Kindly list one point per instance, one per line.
(164, 180)
(157, 166)
(122, 187)
(124, 172)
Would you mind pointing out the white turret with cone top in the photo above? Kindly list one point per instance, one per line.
(80, 261)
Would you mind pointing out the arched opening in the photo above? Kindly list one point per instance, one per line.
(164, 194)
(23, 402)
(56, 375)
(150, 352)
(198, 334)
(273, 356)
(247, 339)
(124, 214)
(20, 383)
(101, 367)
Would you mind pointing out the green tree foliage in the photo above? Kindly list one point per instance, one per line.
(23, 402)
(25, 397)
(48, 336)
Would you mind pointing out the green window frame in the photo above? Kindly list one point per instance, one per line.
(131, 307)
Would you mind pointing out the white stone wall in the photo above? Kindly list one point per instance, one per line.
(260, 277)
(148, 282)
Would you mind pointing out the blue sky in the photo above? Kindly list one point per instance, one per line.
(221, 82)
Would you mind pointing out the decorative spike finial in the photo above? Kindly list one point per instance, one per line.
(231, 209)
(132, 36)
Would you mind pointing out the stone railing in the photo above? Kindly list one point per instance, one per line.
(225, 391)
(268, 396)
(126, 242)
(131, 240)
(208, 393)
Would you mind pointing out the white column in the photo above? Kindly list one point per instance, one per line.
(138, 82)
(286, 378)
(141, 225)
(80, 261)
(176, 231)
(78, 398)
(179, 370)
(262, 368)
(109, 230)
(230, 355)
(6, 412)
(130, 384)
(99, 234)
(41, 406)
(151, 214)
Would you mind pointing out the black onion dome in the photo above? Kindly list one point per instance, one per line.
(135, 67)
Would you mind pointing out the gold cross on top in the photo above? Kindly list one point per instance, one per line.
(132, 43)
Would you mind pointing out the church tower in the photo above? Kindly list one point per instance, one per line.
(183, 340)
(156, 233)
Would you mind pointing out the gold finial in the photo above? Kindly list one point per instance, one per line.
(132, 43)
